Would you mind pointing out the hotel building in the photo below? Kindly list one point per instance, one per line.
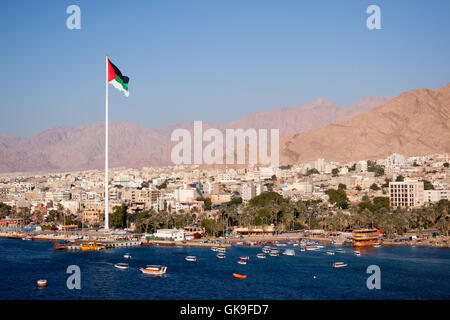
(406, 194)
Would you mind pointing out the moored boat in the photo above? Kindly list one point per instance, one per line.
(245, 258)
(357, 253)
(261, 255)
(330, 253)
(289, 252)
(366, 237)
(239, 276)
(242, 262)
(214, 249)
(274, 254)
(127, 256)
(42, 283)
(92, 246)
(339, 265)
(121, 266)
(154, 270)
(191, 258)
(221, 256)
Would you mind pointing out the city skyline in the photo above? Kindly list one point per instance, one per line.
(182, 56)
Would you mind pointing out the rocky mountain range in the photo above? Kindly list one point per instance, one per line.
(415, 122)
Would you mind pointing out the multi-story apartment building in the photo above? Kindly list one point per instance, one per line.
(436, 195)
(409, 193)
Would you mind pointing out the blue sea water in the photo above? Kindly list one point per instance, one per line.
(406, 273)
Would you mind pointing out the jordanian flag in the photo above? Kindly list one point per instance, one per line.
(116, 78)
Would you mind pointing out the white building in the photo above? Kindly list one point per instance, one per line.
(186, 194)
(170, 234)
(395, 160)
(436, 195)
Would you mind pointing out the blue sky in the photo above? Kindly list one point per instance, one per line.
(210, 60)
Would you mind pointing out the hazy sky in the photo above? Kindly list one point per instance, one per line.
(210, 60)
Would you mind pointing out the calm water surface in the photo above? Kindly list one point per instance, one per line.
(406, 273)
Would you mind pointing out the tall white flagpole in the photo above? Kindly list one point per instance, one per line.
(106, 153)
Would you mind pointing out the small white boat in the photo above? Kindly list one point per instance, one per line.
(127, 256)
(302, 249)
(121, 266)
(281, 244)
(221, 256)
(357, 253)
(191, 258)
(214, 249)
(221, 250)
(266, 249)
(289, 252)
(261, 255)
(274, 254)
(330, 253)
(377, 245)
(312, 248)
(245, 258)
(339, 265)
(155, 270)
(242, 262)
(340, 251)
(42, 283)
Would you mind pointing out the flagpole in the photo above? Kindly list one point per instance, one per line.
(106, 152)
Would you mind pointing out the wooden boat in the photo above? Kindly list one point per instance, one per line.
(121, 266)
(42, 283)
(239, 276)
(191, 258)
(339, 265)
(242, 262)
(62, 245)
(154, 270)
(92, 246)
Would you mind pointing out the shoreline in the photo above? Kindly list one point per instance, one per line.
(227, 243)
